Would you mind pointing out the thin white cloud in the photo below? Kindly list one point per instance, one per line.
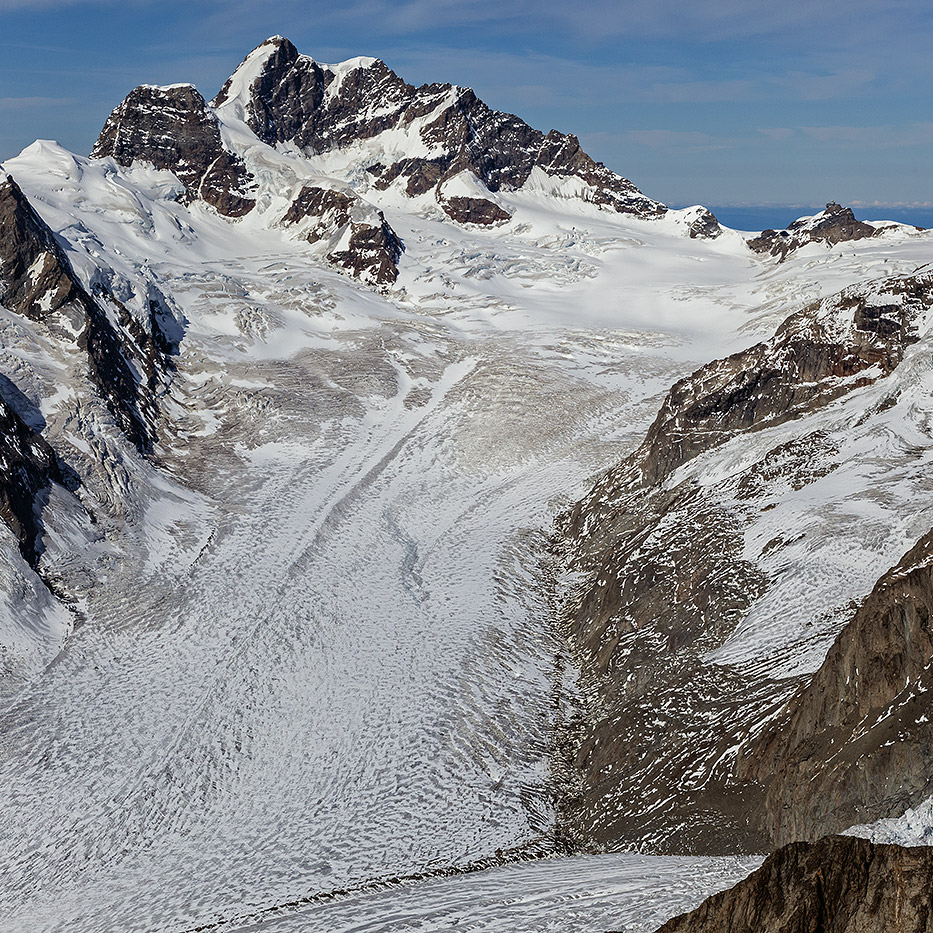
(663, 139)
(778, 133)
(874, 137)
(706, 92)
(812, 87)
(27, 103)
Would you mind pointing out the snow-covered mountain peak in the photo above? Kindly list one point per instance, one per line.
(363, 123)
(287, 134)
(271, 56)
(835, 224)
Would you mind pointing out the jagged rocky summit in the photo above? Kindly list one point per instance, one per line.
(173, 128)
(437, 144)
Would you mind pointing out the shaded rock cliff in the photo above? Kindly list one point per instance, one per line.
(856, 743)
(173, 128)
(37, 281)
(28, 467)
(837, 885)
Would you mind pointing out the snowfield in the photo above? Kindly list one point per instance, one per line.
(633, 893)
(314, 649)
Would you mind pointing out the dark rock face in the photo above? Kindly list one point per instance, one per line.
(670, 588)
(818, 354)
(664, 583)
(174, 129)
(837, 885)
(294, 99)
(856, 743)
(36, 280)
(373, 250)
(834, 225)
(475, 211)
(28, 467)
(704, 226)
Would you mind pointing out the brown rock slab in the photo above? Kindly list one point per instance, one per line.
(839, 884)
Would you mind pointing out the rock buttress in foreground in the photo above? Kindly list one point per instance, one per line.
(666, 579)
(856, 743)
(840, 884)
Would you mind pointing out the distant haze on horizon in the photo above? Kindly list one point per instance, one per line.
(723, 102)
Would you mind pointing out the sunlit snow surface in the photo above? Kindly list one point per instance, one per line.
(323, 654)
(626, 893)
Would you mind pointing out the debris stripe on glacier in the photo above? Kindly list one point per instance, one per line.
(626, 892)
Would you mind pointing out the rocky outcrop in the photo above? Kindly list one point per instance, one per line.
(834, 225)
(37, 281)
(360, 239)
(28, 467)
(703, 225)
(286, 97)
(856, 743)
(478, 211)
(818, 354)
(35, 278)
(173, 128)
(837, 885)
(664, 580)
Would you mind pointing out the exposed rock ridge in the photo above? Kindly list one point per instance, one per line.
(837, 885)
(288, 97)
(173, 128)
(856, 743)
(28, 467)
(359, 237)
(818, 354)
(834, 225)
(37, 281)
(663, 579)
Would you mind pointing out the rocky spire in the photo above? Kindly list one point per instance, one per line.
(173, 128)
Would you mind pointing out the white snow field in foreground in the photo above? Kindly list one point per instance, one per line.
(320, 652)
(627, 893)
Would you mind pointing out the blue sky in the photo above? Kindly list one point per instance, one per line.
(711, 101)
